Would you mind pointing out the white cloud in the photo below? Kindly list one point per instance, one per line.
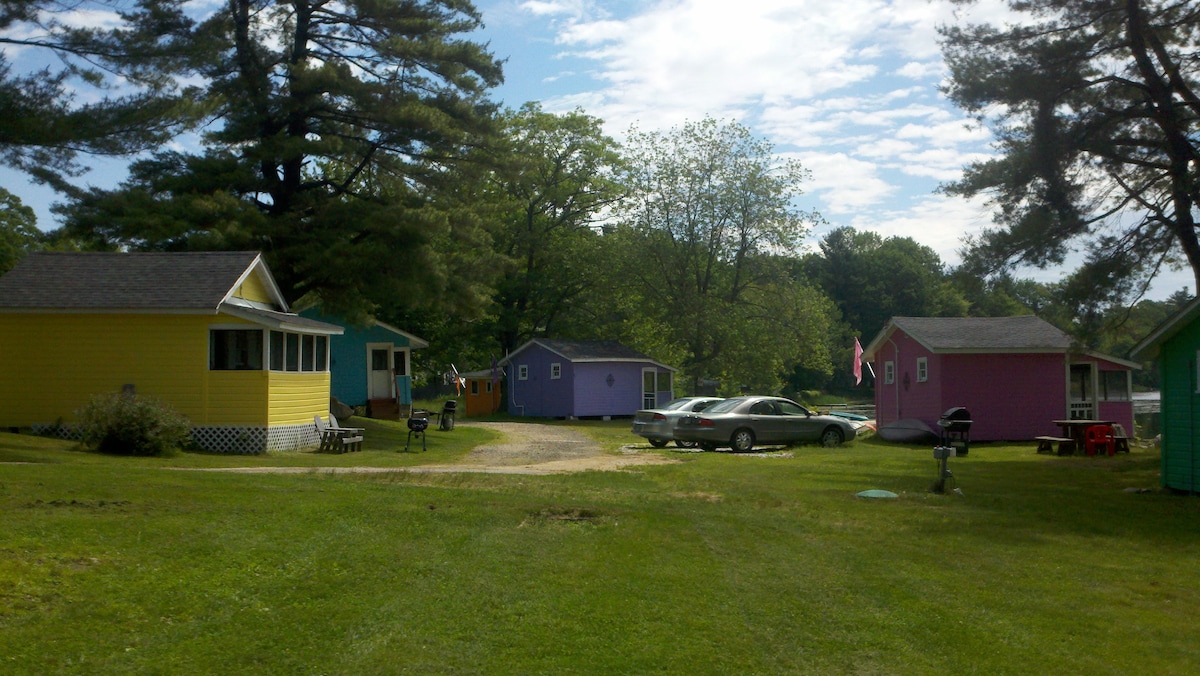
(844, 184)
(937, 221)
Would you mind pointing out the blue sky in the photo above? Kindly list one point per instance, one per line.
(849, 88)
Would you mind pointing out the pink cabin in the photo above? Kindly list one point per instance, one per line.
(1015, 375)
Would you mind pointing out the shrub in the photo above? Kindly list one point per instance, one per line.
(126, 424)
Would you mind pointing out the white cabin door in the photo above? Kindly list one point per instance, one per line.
(649, 393)
(379, 371)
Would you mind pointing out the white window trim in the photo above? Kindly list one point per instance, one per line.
(317, 366)
(556, 371)
(922, 369)
(889, 373)
(266, 338)
(523, 372)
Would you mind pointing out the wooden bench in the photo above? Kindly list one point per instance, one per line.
(335, 439)
(1066, 445)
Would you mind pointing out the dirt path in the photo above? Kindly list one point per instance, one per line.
(527, 448)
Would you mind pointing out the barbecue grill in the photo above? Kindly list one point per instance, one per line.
(446, 419)
(956, 429)
(417, 425)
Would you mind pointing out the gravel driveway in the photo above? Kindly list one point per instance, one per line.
(527, 448)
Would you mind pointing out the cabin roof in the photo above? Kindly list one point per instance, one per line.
(128, 281)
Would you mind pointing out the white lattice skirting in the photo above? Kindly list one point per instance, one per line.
(228, 439)
(256, 439)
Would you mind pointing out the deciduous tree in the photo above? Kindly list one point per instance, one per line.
(708, 226)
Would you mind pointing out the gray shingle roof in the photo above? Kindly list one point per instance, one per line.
(123, 281)
(984, 333)
(592, 350)
(588, 351)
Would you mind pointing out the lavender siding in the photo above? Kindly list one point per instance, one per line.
(594, 396)
(582, 391)
(539, 395)
(1010, 396)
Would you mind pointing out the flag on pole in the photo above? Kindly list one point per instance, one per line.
(857, 362)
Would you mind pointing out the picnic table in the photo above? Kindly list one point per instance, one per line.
(1072, 438)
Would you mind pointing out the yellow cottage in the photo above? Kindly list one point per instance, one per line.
(207, 332)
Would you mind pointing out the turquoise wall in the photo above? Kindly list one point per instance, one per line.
(348, 357)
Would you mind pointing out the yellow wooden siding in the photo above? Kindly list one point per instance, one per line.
(52, 364)
(237, 398)
(297, 397)
(253, 289)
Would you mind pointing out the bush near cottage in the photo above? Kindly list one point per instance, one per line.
(126, 424)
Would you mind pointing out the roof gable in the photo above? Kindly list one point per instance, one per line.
(133, 281)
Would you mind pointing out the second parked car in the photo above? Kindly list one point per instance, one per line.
(658, 424)
(741, 422)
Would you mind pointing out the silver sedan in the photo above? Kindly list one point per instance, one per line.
(742, 422)
(658, 424)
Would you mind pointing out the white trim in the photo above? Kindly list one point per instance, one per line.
(653, 400)
(268, 281)
(265, 352)
(391, 367)
(282, 323)
(414, 342)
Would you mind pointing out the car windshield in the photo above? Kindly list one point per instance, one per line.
(725, 406)
(675, 403)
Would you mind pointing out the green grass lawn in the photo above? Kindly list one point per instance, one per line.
(719, 564)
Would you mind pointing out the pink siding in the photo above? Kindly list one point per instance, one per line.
(907, 398)
(1010, 396)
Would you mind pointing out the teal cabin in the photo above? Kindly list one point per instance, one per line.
(371, 365)
(1176, 346)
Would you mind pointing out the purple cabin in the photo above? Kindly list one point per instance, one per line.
(1015, 375)
(581, 378)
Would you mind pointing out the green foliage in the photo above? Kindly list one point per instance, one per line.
(872, 279)
(126, 424)
(45, 128)
(1096, 108)
(334, 127)
(702, 245)
(18, 230)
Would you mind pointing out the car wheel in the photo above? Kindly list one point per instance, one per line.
(658, 443)
(685, 444)
(832, 436)
(742, 440)
(708, 447)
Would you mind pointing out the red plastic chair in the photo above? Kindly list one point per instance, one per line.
(1099, 437)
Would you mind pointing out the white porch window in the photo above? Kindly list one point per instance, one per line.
(922, 369)
(889, 372)
(555, 371)
(523, 372)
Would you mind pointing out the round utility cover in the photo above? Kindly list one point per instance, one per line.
(877, 493)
